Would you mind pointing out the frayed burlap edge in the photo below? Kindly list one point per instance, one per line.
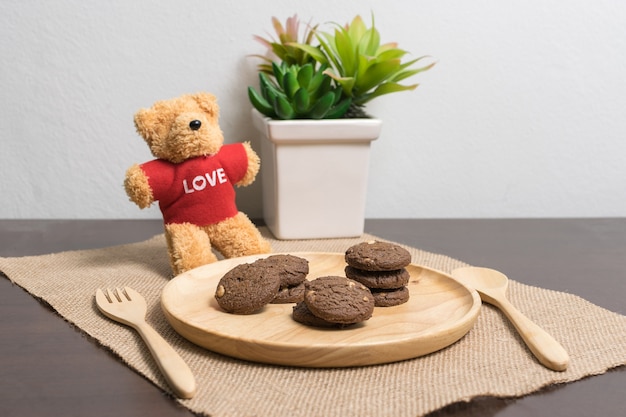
(490, 361)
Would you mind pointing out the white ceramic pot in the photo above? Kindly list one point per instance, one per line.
(314, 175)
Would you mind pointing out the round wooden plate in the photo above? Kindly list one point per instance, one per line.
(439, 312)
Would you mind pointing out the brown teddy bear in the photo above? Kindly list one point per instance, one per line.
(193, 180)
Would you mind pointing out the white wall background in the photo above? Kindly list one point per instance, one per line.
(523, 116)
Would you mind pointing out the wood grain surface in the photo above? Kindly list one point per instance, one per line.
(439, 312)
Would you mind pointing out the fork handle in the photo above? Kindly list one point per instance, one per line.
(176, 371)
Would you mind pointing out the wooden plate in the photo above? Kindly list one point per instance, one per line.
(439, 312)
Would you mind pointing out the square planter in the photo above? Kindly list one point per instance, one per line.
(314, 175)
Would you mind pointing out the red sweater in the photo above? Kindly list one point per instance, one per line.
(199, 190)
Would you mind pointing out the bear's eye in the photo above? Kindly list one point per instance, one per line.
(195, 124)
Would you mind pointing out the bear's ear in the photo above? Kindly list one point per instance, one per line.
(208, 103)
(147, 123)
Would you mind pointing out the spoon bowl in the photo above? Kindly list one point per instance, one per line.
(491, 285)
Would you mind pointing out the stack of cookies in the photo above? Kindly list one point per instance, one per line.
(334, 301)
(381, 267)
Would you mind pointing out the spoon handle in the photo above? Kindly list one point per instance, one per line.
(547, 350)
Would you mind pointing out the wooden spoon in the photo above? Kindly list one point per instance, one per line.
(492, 285)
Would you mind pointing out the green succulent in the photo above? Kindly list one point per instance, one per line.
(298, 92)
(358, 62)
(352, 57)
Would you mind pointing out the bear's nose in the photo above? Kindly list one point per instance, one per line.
(195, 124)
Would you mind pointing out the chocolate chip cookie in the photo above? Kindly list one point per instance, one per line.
(338, 299)
(286, 295)
(379, 279)
(390, 297)
(302, 314)
(292, 269)
(377, 256)
(247, 288)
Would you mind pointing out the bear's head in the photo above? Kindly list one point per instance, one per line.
(181, 128)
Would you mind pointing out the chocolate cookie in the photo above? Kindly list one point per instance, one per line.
(292, 269)
(379, 279)
(377, 256)
(338, 299)
(247, 288)
(390, 298)
(293, 294)
(302, 314)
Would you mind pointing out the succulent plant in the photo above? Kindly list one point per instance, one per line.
(351, 63)
(365, 68)
(283, 45)
(298, 92)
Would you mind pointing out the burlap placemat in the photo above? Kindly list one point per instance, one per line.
(491, 360)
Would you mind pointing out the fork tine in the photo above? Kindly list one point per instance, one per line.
(119, 294)
(124, 294)
(109, 295)
(129, 293)
(101, 296)
(113, 295)
(133, 295)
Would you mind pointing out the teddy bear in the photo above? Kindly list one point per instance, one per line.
(193, 180)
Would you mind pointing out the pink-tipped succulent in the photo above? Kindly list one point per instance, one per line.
(282, 47)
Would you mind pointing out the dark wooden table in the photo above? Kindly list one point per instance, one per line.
(47, 368)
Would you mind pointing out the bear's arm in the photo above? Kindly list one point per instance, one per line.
(254, 163)
(137, 187)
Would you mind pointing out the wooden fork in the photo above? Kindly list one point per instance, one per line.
(129, 307)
